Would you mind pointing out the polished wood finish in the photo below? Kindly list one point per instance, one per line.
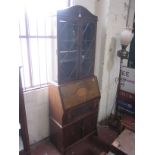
(56, 106)
(73, 99)
(23, 121)
(71, 124)
(64, 137)
(81, 111)
(75, 93)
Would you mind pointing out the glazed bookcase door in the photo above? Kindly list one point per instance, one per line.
(68, 50)
(76, 34)
(87, 48)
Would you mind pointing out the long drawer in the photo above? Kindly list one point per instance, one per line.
(80, 111)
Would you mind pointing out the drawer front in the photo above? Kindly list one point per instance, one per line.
(72, 133)
(81, 110)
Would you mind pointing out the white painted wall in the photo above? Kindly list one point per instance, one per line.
(37, 111)
(113, 20)
(113, 16)
(89, 4)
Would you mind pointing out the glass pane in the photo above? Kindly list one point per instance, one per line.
(41, 26)
(51, 26)
(87, 54)
(32, 25)
(68, 71)
(67, 35)
(54, 26)
(88, 31)
(25, 62)
(68, 45)
(68, 61)
(22, 29)
(42, 61)
(49, 58)
(88, 36)
(68, 30)
(66, 56)
(87, 67)
(88, 45)
(54, 58)
(35, 61)
(48, 26)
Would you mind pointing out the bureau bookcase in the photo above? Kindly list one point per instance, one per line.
(74, 94)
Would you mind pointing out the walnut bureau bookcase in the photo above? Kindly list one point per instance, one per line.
(74, 93)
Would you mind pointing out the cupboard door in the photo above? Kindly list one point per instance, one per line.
(89, 124)
(72, 133)
(76, 29)
(87, 50)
